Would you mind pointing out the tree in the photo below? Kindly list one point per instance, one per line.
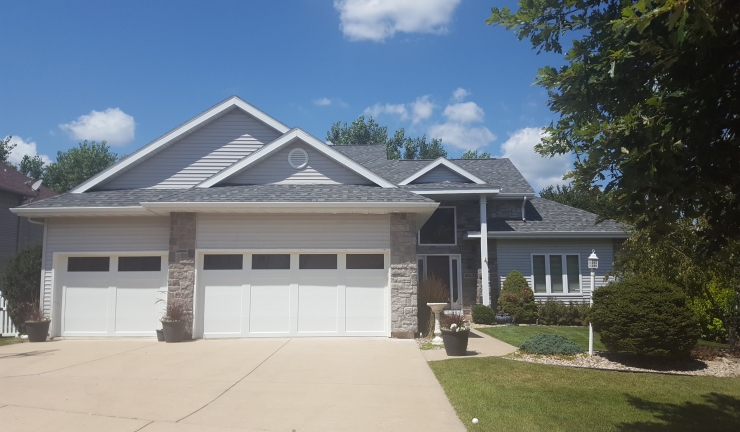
(32, 166)
(77, 165)
(649, 101)
(473, 154)
(362, 132)
(5, 148)
(20, 283)
(592, 200)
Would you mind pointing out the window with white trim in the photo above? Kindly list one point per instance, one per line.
(556, 273)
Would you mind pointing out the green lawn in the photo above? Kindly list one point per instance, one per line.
(508, 395)
(515, 335)
(9, 340)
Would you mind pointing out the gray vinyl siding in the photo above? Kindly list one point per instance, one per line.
(320, 169)
(293, 231)
(516, 255)
(109, 234)
(440, 174)
(198, 155)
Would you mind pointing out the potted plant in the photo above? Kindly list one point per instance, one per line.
(455, 333)
(36, 322)
(173, 320)
(437, 295)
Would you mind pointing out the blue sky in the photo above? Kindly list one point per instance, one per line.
(130, 71)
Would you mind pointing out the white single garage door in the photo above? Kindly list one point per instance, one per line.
(292, 294)
(109, 295)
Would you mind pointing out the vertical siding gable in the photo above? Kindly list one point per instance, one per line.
(199, 155)
(440, 174)
(275, 169)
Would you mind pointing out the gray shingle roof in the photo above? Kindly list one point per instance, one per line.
(499, 173)
(363, 153)
(111, 198)
(549, 216)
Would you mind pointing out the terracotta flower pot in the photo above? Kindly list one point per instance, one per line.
(174, 331)
(456, 343)
(37, 331)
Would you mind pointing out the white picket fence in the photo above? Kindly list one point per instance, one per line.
(6, 326)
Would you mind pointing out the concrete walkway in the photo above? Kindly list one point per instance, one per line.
(479, 345)
(311, 384)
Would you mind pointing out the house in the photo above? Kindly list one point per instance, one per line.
(17, 232)
(268, 231)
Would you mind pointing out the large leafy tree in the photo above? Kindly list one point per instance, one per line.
(649, 102)
(77, 165)
(473, 154)
(368, 132)
(32, 166)
(5, 148)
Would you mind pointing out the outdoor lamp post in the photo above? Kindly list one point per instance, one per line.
(593, 264)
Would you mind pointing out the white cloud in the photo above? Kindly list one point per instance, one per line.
(377, 20)
(464, 112)
(460, 94)
(394, 109)
(539, 171)
(462, 136)
(22, 148)
(112, 125)
(322, 101)
(422, 108)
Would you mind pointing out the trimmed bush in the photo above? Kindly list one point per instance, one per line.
(517, 299)
(483, 314)
(645, 315)
(553, 312)
(549, 344)
(21, 284)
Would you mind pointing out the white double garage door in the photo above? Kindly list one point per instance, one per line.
(237, 294)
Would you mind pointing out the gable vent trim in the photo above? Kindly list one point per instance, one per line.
(298, 158)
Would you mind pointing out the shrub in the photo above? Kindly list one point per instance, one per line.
(517, 298)
(483, 314)
(21, 284)
(550, 344)
(711, 327)
(553, 312)
(645, 315)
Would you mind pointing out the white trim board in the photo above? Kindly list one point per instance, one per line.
(444, 162)
(287, 139)
(177, 133)
(550, 234)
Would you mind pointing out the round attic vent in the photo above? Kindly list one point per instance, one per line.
(298, 158)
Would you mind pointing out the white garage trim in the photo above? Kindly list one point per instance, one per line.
(247, 276)
(61, 278)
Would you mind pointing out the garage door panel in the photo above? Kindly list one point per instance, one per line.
(317, 308)
(223, 309)
(137, 310)
(269, 308)
(85, 309)
(365, 303)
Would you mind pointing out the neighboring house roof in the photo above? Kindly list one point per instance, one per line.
(233, 102)
(545, 218)
(13, 181)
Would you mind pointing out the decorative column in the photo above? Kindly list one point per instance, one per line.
(485, 282)
(181, 263)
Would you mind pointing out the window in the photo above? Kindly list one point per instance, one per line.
(88, 264)
(140, 263)
(317, 261)
(365, 261)
(223, 262)
(440, 228)
(556, 274)
(271, 262)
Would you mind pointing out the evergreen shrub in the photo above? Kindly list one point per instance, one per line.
(517, 299)
(645, 315)
(483, 314)
(549, 344)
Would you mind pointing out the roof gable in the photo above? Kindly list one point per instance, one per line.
(193, 125)
(441, 174)
(290, 138)
(445, 164)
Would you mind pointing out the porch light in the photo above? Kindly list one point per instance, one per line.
(593, 260)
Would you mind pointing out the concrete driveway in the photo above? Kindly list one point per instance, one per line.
(312, 384)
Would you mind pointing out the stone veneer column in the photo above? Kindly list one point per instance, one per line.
(404, 309)
(181, 268)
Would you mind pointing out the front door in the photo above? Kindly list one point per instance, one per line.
(446, 268)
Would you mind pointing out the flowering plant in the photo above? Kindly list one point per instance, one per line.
(455, 322)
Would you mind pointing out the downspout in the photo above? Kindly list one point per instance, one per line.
(524, 203)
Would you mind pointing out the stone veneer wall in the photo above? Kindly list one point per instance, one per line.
(181, 267)
(404, 308)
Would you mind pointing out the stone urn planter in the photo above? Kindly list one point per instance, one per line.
(37, 331)
(456, 342)
(174, 331)
(437, 308)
